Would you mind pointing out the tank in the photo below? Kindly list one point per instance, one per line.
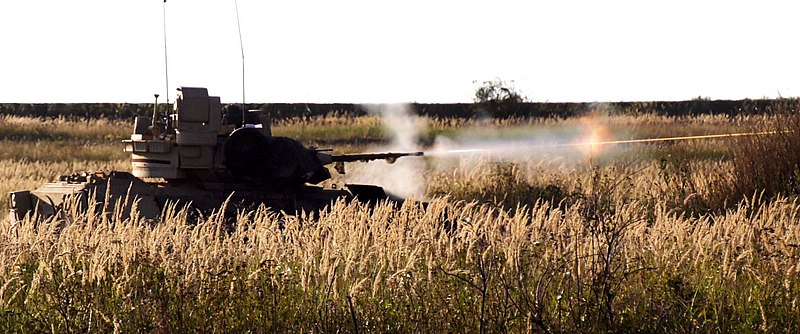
(201, 155)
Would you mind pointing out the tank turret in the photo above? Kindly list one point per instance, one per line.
(184, 143)
(201, 154)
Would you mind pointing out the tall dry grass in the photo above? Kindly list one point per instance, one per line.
(453, 267)
(770, 163)
(641, 242)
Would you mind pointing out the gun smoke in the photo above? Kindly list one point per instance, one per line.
(407, 177)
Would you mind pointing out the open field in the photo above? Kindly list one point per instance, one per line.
(690, 236)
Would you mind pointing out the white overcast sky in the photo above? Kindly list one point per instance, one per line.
(399, 51)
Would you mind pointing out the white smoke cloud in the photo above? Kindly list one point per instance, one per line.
(548, 145)
(405, 177)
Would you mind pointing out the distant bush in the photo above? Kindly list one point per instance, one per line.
(498, 98)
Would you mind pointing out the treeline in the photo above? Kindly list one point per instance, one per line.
(453, 110)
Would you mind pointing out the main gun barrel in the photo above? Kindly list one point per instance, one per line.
(388, 156)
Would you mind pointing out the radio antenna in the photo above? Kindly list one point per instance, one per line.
(166, 60)
(241, 48)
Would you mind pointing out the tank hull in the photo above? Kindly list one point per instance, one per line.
(121, 194)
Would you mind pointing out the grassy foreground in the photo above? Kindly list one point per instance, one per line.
(659, 239)
(453, 267)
